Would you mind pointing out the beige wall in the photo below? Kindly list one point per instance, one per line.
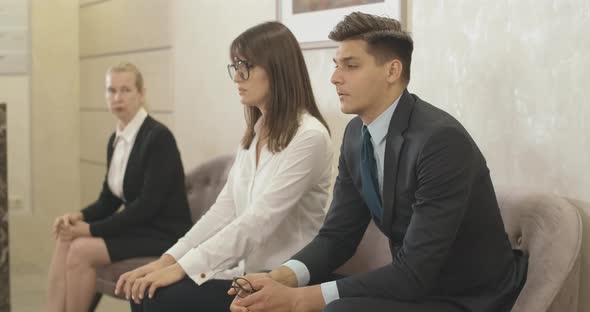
(53, 140)
(111, 32)
(54, 120)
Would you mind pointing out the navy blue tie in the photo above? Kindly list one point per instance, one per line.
(369, 183)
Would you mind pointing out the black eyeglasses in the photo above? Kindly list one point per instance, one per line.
(242, 287)
(242, 67)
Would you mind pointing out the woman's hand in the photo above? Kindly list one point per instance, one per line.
(66, 220)
(160, 278)
(75, 230)
(127, 280)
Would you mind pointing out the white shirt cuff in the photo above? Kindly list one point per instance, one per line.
(330, 291)
(178, 250)
(191, 268)
(300, 270)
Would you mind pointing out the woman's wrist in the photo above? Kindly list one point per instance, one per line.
(166, 260)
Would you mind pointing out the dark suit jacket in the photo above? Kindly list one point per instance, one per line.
(156, 203)
(447, 238)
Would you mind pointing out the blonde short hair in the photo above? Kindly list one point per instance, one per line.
(128, 68)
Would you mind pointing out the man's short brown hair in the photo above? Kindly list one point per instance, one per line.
(384, 36)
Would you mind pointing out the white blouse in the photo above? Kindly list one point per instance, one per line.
(123, 143)
(263, 215)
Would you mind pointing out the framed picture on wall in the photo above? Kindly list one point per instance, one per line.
(312, 20)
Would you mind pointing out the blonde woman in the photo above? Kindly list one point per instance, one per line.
(145, 175)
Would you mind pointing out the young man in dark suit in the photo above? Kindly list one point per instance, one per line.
(416, 172)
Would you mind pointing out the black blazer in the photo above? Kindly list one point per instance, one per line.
(154, 190)
(446, 235)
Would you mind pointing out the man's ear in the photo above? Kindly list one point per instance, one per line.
(394, 70)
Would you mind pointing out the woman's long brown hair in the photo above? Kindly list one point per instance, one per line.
(273, 47)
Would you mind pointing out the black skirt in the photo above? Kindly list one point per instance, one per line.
(141, 242)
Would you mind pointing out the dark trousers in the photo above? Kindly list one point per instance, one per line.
(186, 295)
(375, 304)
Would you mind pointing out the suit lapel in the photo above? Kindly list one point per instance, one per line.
(393, 146)
(133, 160)
(110, 149)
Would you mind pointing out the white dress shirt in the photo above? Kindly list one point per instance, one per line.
(123, 143)
(264, 214)
(378, 130)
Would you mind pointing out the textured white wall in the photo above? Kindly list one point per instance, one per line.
(516, 74)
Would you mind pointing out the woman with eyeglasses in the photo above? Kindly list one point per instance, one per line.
(145, 176)
(273, 202)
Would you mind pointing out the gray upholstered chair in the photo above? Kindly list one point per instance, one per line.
(549, 229)
(203, 184)
(546, 227)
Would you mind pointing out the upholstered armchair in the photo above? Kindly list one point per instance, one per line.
(549, 229)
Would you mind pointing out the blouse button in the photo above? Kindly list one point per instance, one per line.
(203, 275)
